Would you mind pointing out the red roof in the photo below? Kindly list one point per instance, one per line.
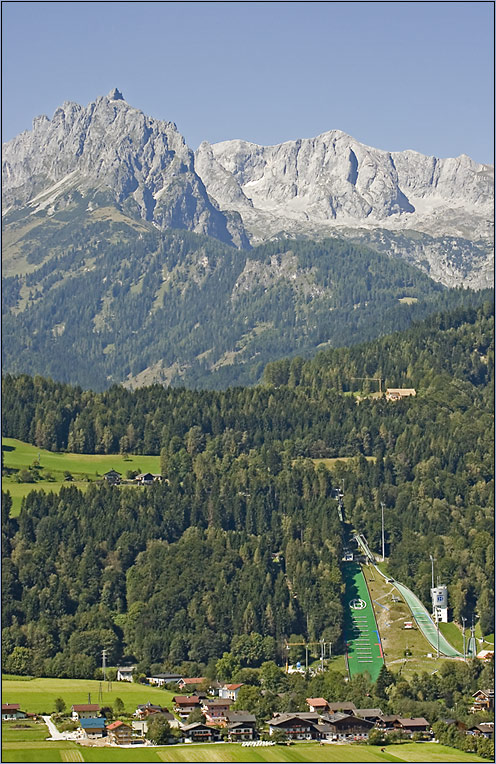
(10, 706)
(117, 724)
(317, 701)
(233, 686)
(194, 680)
(86, 707)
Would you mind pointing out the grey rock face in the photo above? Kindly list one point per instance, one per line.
(334, 184)
(112, 147)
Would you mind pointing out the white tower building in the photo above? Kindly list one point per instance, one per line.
(439, 596)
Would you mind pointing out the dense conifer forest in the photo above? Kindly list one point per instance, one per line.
(240, 547)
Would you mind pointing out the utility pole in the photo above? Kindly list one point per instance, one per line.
(464, 620)
(104, 661)
(382, 515)
(322, 646)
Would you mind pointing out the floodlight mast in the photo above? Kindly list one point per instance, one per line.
(464, 620)
(382, 515)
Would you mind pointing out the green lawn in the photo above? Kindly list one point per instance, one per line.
(24, 730)
(25, 751)
(234, 752)
(430, 752)
(38, 695)
(84, 468)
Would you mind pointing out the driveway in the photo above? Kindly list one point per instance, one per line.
(55, 734)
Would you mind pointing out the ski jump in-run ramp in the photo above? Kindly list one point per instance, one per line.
(420, 614)
(363, 643)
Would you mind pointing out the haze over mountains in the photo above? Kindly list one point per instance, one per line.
(109, 275)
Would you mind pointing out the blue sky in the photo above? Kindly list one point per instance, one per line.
(394, 75)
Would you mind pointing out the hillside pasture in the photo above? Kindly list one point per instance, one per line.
(84, 468)
(38, 695)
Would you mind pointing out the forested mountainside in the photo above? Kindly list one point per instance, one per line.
(244, 537)
(109, 300)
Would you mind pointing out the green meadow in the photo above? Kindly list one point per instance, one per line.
(84, 468)
(38, 695)
(233, 752)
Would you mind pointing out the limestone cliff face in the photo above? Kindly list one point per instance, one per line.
(334, 184)
(111, 147)
(335, 179)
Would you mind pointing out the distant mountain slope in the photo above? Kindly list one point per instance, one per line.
(119, 301)
(333, 183)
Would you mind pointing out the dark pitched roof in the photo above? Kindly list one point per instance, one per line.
(240, 717)
(418, 721)
(195, 726)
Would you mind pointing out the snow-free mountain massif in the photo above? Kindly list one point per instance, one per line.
(109, 207)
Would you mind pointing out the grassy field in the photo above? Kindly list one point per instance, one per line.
(234, 752)
(38, 695)
(23, 730)
(84, 468)
(454, 635)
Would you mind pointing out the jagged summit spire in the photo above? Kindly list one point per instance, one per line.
(115, 95)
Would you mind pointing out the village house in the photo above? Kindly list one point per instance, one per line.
(317, 705)
(93, 727)
(112, 477)
(85, 711)
(397, 393)
(241, 725)
(387, 722)
(199, 733)
(191, 683)
(483, 729)
(125, 673)
(119, 733)
(343, 707)
(296, 726)
(11, 712)
(160, 680)
(147, 478)
(216, 710)
(483, 700)
(143, 711)
(412, 725)
(341, 726)
(230, 691)
(140, 725)
(184, 706)
(371, 714)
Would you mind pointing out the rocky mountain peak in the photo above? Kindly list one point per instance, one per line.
(112, 147)
(115, 95)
